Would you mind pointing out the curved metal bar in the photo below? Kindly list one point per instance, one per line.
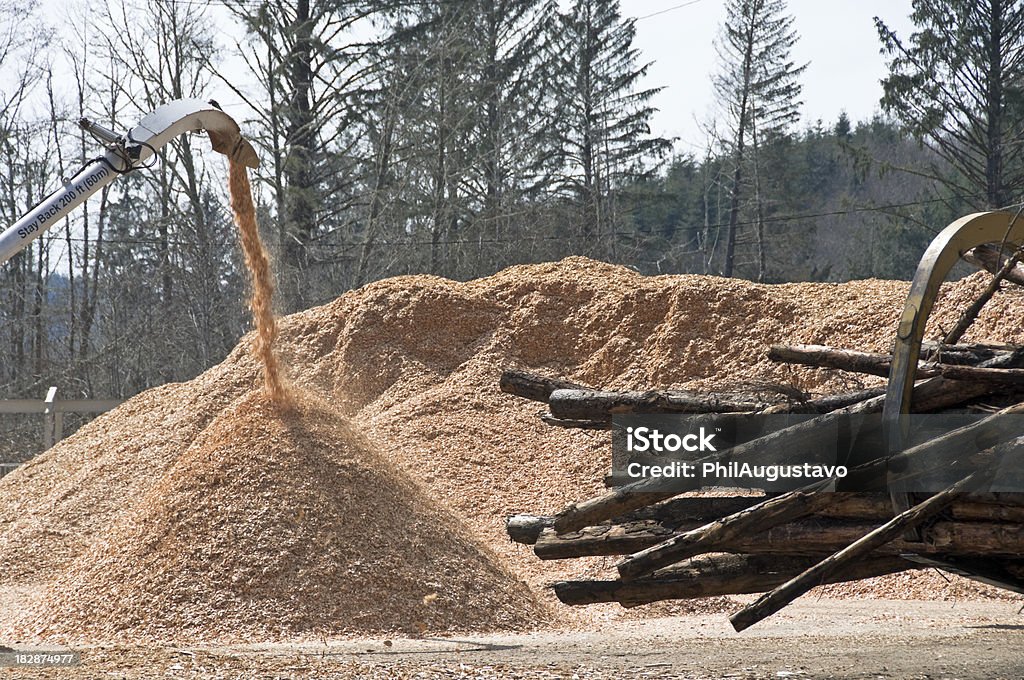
(193, 115)
(943, 252)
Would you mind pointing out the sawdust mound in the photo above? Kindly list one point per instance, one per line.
(414, 362)
(272, 526)
(53, 507)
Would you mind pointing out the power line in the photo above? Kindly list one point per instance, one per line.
(509, 239)
(667, 10)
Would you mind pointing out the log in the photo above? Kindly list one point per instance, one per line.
(938, 393)
(974, 507)
(874, 363)
(534, 386)
(825, 404)
(677, 512)
(990, 258)
(970, 354)
(854, 361)
(576, 404)
(616, 539)
(814, 536)
(600, 418)
(717, 575)
(779, 597)
(768, 513)
(998, 376)
(549, 419)
(525, 528)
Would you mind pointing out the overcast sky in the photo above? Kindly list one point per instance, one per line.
(837, 38)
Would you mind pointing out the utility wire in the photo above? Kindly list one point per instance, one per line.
(667, 10)
(525, 237)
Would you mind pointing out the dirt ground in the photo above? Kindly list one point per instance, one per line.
(910, 640)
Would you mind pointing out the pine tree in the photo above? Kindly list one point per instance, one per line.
(956, 86)
(603, 133)
(513, 159)
(758, 84)
(463, 121)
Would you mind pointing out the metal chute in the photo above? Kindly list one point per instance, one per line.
(125, 153)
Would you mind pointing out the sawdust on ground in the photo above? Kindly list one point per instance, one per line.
(273, 525)
(414, 362)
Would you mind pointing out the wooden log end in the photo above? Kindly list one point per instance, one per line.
(526, 528)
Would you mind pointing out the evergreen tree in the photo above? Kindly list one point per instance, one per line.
(462, 124)
(758, 84)
(514, 155)
(603, 131)
(956, 85)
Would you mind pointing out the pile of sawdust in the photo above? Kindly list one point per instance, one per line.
(278, 525)
(414, 363)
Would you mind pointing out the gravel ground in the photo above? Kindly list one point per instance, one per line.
(911, 640)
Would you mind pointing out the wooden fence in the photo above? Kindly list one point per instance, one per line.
(52, 410)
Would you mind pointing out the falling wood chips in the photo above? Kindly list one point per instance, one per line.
(193, 511)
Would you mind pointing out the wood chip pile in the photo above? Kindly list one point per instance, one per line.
(274, 525)
(412, 363)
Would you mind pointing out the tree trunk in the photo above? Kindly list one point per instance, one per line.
(299, 223)
(814, 536)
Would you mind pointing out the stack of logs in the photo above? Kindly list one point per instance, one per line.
(681, 545)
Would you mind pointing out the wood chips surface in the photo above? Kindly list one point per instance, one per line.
(195, 511)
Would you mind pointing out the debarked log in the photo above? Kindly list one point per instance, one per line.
(708, 576)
